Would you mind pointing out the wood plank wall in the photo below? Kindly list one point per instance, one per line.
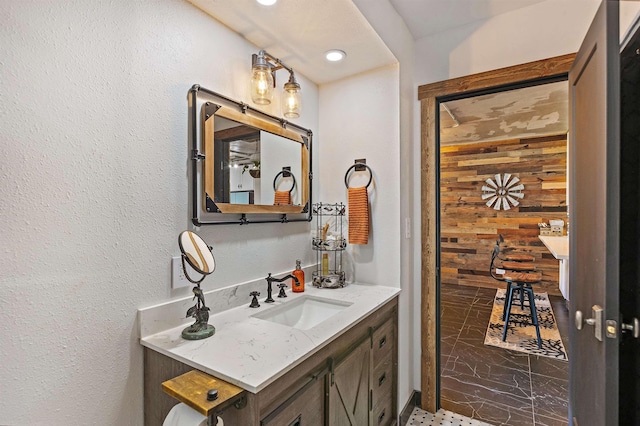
(469, 228)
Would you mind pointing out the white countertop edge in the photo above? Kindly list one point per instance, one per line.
(284, 347)
(557, 245)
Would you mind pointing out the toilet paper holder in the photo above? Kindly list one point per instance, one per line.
(194, 389)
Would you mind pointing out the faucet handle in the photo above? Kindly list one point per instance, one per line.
(254, 301)
(282, 287)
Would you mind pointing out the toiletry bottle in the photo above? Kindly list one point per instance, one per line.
(299, 274)
(325, 263)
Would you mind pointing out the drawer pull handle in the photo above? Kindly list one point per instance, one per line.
(382, 379)
(383, 341)
(381, 416)
(297, 421)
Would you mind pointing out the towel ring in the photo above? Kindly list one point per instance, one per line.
(275, 179)
(346, 175)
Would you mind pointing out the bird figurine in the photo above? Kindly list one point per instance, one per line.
(197, 293)
(199, 311)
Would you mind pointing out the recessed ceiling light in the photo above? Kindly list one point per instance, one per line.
(267, 2)
(334, 55)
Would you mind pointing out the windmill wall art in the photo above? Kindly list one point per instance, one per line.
(502, 193)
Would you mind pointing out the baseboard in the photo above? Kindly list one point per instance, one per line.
(413, 402)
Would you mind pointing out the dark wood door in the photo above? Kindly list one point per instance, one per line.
(594, 221)
(349, 388)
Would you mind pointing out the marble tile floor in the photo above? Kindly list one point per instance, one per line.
(494, 385)
(442, 417)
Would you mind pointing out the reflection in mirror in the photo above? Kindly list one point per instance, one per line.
(247, 159)
(197, 254)
(284, 185)
(237, 154)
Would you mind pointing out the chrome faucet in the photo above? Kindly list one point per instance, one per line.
(270, 280)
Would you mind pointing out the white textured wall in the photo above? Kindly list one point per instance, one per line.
(94, 190)
(367, 127)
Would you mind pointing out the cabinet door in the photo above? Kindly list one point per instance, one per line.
(349, 388)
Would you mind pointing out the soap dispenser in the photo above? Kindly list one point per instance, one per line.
(299, 274)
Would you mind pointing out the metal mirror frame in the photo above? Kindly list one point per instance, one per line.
(204, 210)
(188, 256)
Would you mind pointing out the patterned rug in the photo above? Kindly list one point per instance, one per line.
(521, 333)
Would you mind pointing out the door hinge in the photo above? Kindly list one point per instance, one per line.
(634, 328)
(195, 155)
(331, 371)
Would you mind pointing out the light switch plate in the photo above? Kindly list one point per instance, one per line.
(178, 280)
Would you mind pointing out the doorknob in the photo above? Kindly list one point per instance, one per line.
(634, 327)
(595, 320)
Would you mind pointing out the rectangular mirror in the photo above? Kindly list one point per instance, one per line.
(251, 164)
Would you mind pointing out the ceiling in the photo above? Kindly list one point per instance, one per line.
(527, 112)
(426, 17)
(299, 32)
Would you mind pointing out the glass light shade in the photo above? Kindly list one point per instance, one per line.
(261, 84)
(291, 100)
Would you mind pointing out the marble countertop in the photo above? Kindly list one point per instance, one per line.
(558, 246)
(252, 353)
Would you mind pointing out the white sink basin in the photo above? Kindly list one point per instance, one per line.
(304, 312)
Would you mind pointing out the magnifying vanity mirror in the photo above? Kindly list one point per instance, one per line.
(248, 166)
(197, 254)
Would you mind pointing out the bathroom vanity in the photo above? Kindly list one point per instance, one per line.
(335, 363)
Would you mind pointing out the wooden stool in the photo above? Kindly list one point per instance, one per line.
(515, 262)
(517, 281)
(522, 282)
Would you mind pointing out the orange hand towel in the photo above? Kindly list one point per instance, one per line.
(282, 198)
(358, 215)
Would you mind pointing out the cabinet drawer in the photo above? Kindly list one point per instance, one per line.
(382, 413)
(383, 342)
(381, 383)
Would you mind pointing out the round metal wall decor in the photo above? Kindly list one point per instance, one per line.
(503, 193)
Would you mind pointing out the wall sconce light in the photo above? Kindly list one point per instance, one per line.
(263, 80)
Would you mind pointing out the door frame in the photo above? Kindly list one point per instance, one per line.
(428, 95)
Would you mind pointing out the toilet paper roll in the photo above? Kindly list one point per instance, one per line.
(183, 415)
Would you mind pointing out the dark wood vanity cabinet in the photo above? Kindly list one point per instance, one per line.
(352, 382)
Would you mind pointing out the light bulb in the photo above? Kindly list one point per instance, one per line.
(261, 84)
(291, 99)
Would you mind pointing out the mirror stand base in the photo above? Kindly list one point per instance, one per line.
(190, 334)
